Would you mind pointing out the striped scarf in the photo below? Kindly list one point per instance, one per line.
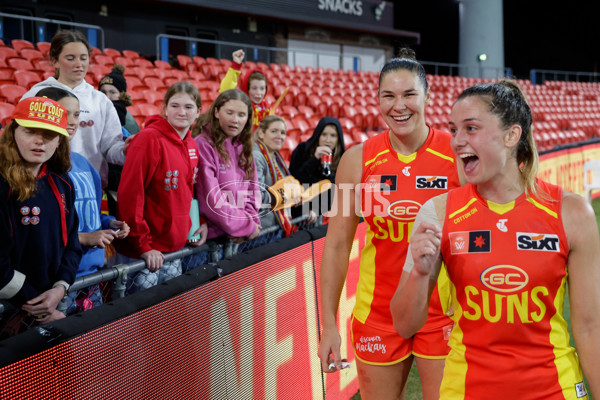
(276, 174)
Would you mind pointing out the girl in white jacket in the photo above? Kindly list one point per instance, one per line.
(99, 137)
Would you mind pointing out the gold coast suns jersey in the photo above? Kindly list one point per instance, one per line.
(508, 266)
(393, 189)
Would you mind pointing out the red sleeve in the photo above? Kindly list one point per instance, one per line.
(140, 164)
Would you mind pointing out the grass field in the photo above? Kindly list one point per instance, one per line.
(414, 387)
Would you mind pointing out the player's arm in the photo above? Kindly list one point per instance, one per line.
(338, 243)
(584, 276)
(410, 304)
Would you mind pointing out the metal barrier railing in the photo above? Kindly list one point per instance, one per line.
(113, 282)
(271, 52)
(538, 76)
(59, 23)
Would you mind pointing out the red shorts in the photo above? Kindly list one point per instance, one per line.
(383, 347)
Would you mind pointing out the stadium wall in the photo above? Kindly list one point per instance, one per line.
(253, 332)
(564, 166)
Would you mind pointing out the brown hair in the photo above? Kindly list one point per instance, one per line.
(208, 122)
(183, 87)
(507, 101)
(257, 76)
(268, 120)
(405, 60)
(62, 38)
(14, 170)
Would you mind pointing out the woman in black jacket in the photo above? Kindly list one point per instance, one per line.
(305, 164)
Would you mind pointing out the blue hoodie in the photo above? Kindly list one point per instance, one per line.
(88, 196)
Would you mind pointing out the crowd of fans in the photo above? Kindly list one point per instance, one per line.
(226, 159)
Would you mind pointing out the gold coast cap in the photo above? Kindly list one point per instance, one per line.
(43, 113)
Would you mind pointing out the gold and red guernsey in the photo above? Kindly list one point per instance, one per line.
(507, 263)
(394, 187)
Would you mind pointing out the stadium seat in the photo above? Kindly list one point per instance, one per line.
(185, 62)
(170, 81)
(12, 93)
(8, 52)
(148, 109)
(305, 111)
(20, 64)
(32, 54)
(199, 60)
(42, 65)
(154, 83)
(20, 44)
(124, 61)
(134, 55)
(27, 78)
(143, 63)
(6, 110)
(137, 97)
(154, 97)
(144, 73)
(98, 71)
(102, 59)
(162, 64)
(7, 75)
(112, 53)
(44, 47)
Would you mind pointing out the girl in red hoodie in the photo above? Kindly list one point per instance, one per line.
(157, 187)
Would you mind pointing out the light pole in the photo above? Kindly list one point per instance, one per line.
(481, 57)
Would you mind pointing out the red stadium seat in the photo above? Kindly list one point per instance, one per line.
(7, 75)
(144, 73)
(154, 97)
(197, 75)
(12, 93)
(20, 44)
(148, 109)
(162, 64)
(305, 111)
(112, 53)
(101, 59)
(32, 54)
(143, 63)
(6, 110)
(98, 71)
(154, 83)
(137, 97)
(134, 55)
(44, 47)
(185, 61)
(289, 110)
(42, 65)
(20, 64)
(198, 60)
(27, 78)
(124, 61)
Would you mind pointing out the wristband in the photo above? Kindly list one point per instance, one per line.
(63, 284)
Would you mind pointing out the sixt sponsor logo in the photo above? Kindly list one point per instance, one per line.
(538, 242)
(432, 182)
(404, 210)
(504, 278)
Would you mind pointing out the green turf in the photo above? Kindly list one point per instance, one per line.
(413, 391)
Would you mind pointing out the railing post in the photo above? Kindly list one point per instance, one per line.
(120, 283)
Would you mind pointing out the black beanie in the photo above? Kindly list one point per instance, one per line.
(115, 78)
